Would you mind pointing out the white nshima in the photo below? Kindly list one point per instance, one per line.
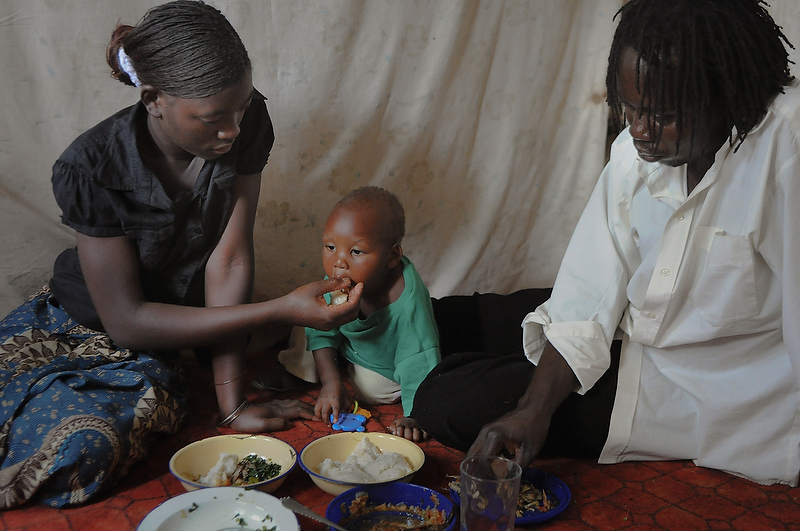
(338, 297)
(366, 464)
(221, 474)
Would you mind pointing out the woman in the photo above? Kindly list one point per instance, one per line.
(162, 197)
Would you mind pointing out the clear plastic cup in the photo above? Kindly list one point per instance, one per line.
(489, 492)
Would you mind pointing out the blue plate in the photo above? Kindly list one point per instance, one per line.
(394, 493)
(541, 480)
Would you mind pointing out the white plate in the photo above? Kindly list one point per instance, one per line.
(221, 508)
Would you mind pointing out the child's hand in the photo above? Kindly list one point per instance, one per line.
(333, 399)
(408, 428)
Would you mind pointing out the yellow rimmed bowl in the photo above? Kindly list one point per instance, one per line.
(196, 459)
(338, 446)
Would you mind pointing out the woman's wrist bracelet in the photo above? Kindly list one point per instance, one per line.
(226, 382)
(235, 414)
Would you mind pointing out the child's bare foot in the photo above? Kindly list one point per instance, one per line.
(408, 428)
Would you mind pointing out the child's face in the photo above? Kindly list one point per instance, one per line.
(353, 247)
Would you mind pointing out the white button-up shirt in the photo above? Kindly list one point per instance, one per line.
(705, 290)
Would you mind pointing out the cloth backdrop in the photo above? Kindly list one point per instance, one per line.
(486, 117)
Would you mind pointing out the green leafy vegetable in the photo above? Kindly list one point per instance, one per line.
(254, 469)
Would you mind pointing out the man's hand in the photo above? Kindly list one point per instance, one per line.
(522, 432)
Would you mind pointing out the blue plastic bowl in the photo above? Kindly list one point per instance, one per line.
(394, 493)
(542, 480)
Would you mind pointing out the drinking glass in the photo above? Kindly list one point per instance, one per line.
(489, 492)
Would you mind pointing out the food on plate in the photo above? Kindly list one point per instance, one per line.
(391, 516)
(367, 464)
(531, 498)
(231, 471)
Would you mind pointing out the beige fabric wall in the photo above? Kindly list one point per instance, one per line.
(487, 119)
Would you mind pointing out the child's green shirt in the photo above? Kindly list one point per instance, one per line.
(399, 342)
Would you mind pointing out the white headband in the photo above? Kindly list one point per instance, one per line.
(127, 66)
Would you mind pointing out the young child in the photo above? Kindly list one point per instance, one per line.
(394, 342)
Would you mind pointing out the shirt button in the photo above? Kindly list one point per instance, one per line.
(652, 315)
(680, 218)
(198, 230)
(665, 272)
(184, 281)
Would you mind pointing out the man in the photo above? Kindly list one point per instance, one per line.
(688, 251)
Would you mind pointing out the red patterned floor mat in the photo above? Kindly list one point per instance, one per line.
(640, 496)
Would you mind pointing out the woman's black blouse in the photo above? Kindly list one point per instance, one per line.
(105, 190)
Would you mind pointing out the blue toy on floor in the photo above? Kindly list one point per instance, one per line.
(349, 422)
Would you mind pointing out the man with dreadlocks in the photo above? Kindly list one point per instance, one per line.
(688, 250)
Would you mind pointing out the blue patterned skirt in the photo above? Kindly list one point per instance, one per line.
(75, 411)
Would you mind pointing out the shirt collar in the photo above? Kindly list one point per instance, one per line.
(668, 183)
(123, 169)
(778, 104)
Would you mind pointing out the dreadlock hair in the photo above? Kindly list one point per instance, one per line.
(184, 48)
(384, 203)
(704, 50)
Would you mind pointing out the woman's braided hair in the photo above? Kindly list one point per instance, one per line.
(728, 51)
(184, 48)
